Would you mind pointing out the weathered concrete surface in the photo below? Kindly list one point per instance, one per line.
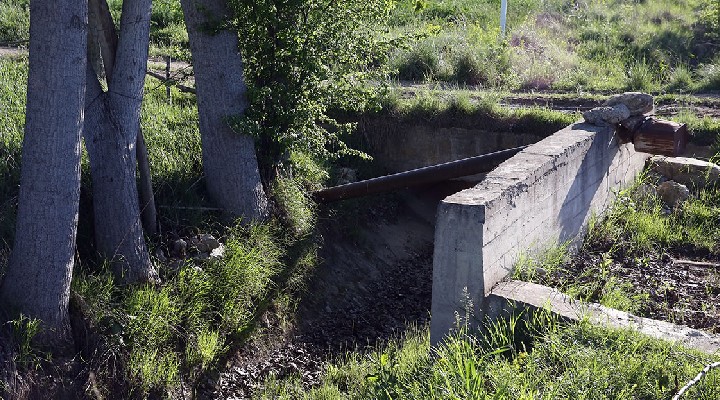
(510, 296)
(542, 196)
(687, 171)
(399, 147)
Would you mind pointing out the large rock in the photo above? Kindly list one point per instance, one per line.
(673, 193)
(636, 102)
(604, 116)
(688, 171)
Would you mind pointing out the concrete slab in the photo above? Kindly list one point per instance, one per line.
(513, 295)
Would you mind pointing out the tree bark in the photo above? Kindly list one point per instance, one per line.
(102, 46)
(37, 280)
(111, 134)
(148, 211)
(229, 159)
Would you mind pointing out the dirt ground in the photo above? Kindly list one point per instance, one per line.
(375, 282)
(680, 286)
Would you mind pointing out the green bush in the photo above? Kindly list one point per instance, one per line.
(710, 76)
(640, 77)
(14, 22)
(421, 63)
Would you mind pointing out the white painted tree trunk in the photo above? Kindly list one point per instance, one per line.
(37, 281)
(229, 159)
(111, 134)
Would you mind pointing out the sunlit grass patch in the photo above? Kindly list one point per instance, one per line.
(526, 357)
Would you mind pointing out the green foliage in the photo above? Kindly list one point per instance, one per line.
(24, 330)
(601, 45)
(14, 22)
(523, 357)
(168, 35)
(13, 80)
(472, 109)
(547, 261)
(183, 326)
(304, 58)
(642, 224)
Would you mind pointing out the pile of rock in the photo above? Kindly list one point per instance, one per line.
(619, 108)
(677, 176)
(199, 247)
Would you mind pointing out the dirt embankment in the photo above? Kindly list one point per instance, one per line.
(375, 280)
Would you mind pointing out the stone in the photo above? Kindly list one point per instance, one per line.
(636, 102)
(218, 252)
(179, 248)
(160, 255)
(688, 171)
(604, 116)
(207, 243)
(672, 193)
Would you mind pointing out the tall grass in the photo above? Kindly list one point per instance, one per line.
(607, 46)
(14, 22)
(525, 357)
(13, 79)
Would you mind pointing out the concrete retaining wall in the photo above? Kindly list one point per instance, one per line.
(542, 196)
(402, 147)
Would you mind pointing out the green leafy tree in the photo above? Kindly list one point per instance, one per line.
(304, 59)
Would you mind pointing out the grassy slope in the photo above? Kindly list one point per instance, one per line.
(608, 46)
(203, 308)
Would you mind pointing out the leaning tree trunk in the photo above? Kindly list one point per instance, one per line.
(111, 134)
(229, 160)
(37, 281)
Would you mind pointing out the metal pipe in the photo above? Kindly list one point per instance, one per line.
(415, 177)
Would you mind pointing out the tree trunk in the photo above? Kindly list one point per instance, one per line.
(111, 134)
(229, 160)
(37, 280)
(148, 212)
(102, 46)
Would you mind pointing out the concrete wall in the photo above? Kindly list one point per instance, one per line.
(542, 196)
(401, 147)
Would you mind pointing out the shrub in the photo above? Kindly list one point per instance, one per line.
(640, 77)
(681, 79)
(14, 21)
(420, 63)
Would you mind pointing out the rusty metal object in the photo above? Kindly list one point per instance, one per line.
(654, 136)
(415, 177)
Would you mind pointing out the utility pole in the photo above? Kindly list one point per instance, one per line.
(503, 17)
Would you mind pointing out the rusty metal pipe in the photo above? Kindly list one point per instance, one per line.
(415, 177)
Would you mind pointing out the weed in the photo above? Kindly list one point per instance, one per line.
(24, 330)
(562, 362)
(640, 77)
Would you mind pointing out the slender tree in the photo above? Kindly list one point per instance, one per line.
(111, 135)
(37, 280)
(229, 161)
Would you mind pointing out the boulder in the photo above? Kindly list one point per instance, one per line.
(604, 116)
(218, 252)
(207, 243)
(688, 171)
(672, 193)
(179, 248)
(636, 102)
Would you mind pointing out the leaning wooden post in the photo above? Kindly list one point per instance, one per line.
(167, 79)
